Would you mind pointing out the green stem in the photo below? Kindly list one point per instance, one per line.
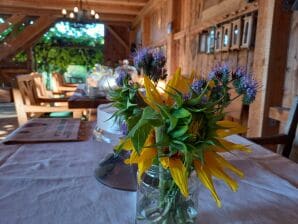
(162, 179)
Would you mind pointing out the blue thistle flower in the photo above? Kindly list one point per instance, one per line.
(159, 59)
(198, 85)
(249, 87)
(142, 57)
(123, 75)
(240, 72)
(245, 85)
(221, 73)
(152, 62)
(124, 128)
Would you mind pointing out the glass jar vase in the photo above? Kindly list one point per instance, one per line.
(159, 200)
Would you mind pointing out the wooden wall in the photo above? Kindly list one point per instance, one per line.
(189, 44)
(116, 37)
(291, 77)
(291, 74)
(176, 24)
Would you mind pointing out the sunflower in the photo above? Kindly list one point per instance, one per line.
(184, 131)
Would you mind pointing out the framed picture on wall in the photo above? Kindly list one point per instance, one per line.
(247, 32)
(236, 34)
(203, 39)
(211, 40)
(226, 37)
(218, 38)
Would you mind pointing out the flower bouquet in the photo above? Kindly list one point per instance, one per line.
(178, 133)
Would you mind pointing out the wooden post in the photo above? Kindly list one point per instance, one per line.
(269, 65)
(145, 27)
(170, 37)
(30, 59)
(19, 105)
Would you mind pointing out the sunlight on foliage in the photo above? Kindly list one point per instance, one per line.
(70, 44)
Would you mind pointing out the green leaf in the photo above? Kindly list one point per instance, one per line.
(167, 116)
(149, 119)
(179, 131)
(164, 139)
(132, 121)
(139, 136)
(181, 113)
(177, 146)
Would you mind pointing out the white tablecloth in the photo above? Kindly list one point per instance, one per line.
(54, 183)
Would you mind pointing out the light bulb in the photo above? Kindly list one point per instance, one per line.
(64, 12)
(96, 16)
(92, 12)
(71, 15)
(75, 9)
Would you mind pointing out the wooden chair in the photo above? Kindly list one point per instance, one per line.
(42, 91)
(29, 105)
(287, 138)
(59, 84)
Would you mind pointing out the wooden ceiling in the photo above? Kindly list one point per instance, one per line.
(110, 11)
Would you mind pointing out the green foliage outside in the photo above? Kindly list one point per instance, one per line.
(68, 44)
(67, 47)
(20, 57)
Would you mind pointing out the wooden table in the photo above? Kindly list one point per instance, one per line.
(81, 100)
(54, 183)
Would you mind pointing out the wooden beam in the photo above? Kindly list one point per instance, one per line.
(147, 8)
(272, 37)
(58, 5)
(107, 18)
(220, 18)
(120, 40)
(223, 8)
(104, 17)
(123, 2)
(72, 3)
(12, 20)
(27, 35)
(117, 23)
(29, 12)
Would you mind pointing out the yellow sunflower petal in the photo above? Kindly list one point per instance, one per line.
(206, 180)
(229, 128)
(152, 95)
(179, 174)
(180, 83)
(225, 164)
(229, 146)
(172, 83)
(216, 170)
(211, 84)
(134, 158)
(165, 162)
(145, 161)
(174, 80)
(128, 145)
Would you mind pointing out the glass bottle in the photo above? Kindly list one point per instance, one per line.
(160, 202)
